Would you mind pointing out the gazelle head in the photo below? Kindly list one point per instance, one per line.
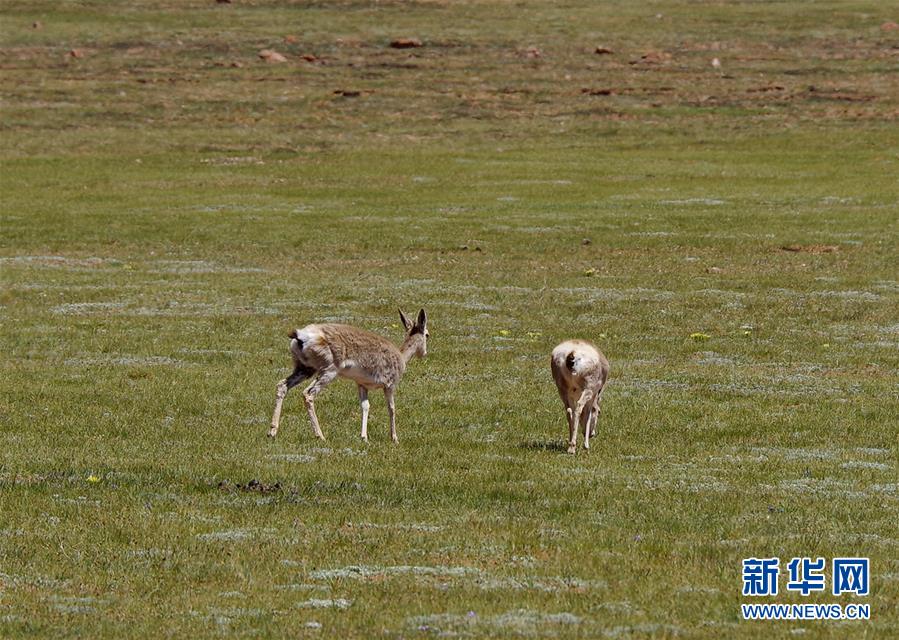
(417, 334)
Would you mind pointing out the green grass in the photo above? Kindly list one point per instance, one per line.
(167, 217)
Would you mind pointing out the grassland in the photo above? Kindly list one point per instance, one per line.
(172, 205)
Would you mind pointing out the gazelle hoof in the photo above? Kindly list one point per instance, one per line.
(572, 449)
(272, 432)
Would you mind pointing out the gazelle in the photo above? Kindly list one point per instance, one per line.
(580, 371)
(326, 351)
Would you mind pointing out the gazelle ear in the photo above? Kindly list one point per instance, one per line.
(422, 319)
(405, 321)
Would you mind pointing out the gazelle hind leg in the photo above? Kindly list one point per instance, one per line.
(324, 379)
(576, 421)
(589, 420)
(300, 373)
(597, 409)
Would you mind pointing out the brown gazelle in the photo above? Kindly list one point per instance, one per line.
(326, 351)
(581, 372)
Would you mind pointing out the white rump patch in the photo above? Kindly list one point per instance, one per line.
(309, 334)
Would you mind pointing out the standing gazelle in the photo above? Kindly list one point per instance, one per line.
(327, 351)
(580, 371)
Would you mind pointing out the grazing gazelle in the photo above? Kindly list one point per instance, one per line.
(372, 362)
(580, 371)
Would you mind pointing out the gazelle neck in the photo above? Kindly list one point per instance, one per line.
(408, 349)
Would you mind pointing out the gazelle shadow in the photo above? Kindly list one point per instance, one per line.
(544, 445)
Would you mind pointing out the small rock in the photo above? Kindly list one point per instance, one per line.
(603, 51)
(598, 92)
(76, 53)
(290, 39)
(810, 248)
(653, 57)
(308, 57)
(716, 63)
(348, 93)
(259, 487)
(533, 52)
(889, 26)
(223, 1)
(586, 241)
(271, 56)
(37, 25)
(236, 65)
(714, 270)
(405, 43)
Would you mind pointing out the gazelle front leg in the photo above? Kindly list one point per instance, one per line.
(391, 411)
(299, 374)
(324, 378)
(363, 402)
